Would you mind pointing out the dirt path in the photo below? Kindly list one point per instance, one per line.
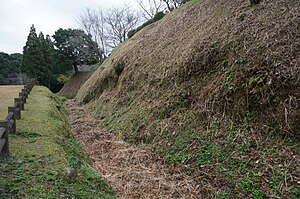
(132, 171)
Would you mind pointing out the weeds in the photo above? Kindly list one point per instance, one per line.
(228, 80)
(233, 155)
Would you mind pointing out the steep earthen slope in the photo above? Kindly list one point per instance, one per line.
(214, 85)
(71, 87)
(211, 55)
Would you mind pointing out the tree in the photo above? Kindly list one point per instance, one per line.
(174, 4)
(77, 46)
(10, 68)
(38, 57)
(171, 4)
(15, 62)
(45, 61)
(4, 69)
(33, 62)
(109, 28)
(149, 8)
(120, 20)
(93, 22)
(157, 16)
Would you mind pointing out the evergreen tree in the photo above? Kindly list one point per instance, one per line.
(44, 63)
(42, 70)
(31, 55)
(46, 58)
(49, 54)
(38, 57)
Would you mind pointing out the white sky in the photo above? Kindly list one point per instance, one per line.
(16, 17)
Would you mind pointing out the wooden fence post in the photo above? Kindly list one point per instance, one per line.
(22, 96)
(12, 116)
(18, 107)
(25, 93)
(4, 145)
(9, 125)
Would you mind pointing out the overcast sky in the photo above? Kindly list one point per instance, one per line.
(16, 17)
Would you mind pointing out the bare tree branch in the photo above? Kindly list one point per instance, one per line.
(150, 7)
(92, 21)
(120, 20)
(109, 28)
(173, 4)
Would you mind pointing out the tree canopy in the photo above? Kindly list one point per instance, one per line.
(46, 60)
(10, 67)
(76, 46)
(37, 57)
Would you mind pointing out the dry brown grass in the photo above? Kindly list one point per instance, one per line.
(7, 95)
(71, 87)
(204, 68)
(227, 55)
(132, 171)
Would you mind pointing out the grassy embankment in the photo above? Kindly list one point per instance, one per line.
(41, 151)
(240, 162)
(223, 101)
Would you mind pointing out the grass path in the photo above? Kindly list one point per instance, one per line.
(41, 151)
(132, 171)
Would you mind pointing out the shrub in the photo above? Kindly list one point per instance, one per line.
(157, 17)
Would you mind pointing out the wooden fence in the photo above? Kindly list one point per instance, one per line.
(8, 125)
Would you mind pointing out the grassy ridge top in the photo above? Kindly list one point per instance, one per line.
(41, 150)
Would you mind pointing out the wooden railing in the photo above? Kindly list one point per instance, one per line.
(8, 125)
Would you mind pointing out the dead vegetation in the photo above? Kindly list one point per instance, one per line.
(220, 78)
(132, 171)
(71, 87)
(250, 53)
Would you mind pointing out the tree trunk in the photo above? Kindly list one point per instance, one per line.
(168, 5)
(75, 68)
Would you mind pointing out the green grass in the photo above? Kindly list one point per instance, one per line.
(235, 156)
(247, 161)
(41, 150)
